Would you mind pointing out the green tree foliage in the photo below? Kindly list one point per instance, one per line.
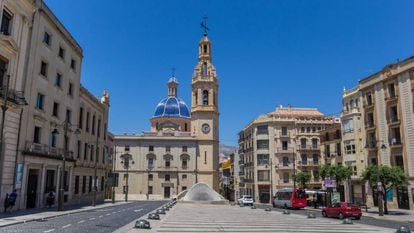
(390, 177)
(302, 178)
(337, 172)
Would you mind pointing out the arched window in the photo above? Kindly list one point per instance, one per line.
(196, 97)
(156, 125)
(205, 48)
(205, 70)
(185, 127)
(205, 97)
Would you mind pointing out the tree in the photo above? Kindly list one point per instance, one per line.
(302, 178)
(339, 172)
(390, 177)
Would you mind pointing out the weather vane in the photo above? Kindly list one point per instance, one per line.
(204, 25)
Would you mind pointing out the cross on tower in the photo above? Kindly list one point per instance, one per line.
(204, 25)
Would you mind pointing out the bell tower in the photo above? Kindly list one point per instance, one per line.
(205, 114)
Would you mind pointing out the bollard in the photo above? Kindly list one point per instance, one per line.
(347, 221)
(142, 224)
(154, 216)
(403, 229)
(160, 211)
(268, 209)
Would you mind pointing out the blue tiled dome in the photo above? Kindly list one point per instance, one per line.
(172, 107)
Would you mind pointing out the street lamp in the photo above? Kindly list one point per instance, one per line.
(380, 189)
(125, 160)
(66, 126)
(149, 169)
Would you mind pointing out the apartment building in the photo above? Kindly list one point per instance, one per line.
(276, 145)
(15, 29)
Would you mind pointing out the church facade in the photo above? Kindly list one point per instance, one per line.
(181, 148)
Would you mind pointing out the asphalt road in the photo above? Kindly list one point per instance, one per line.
(364, 219)
(100, 220)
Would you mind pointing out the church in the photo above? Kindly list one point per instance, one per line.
(182, 146)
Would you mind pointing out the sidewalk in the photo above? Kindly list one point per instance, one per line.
(38, 214)
(399, 215)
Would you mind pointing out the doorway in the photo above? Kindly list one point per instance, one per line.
(402, 197)
(32, 188)
(167, 191)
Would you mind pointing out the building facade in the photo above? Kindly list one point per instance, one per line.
(277, 145)
(43, 137)
(16, 24)
(387, 122)
(181, 148)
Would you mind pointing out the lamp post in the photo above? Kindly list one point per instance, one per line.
(380, 190)
(125, 161)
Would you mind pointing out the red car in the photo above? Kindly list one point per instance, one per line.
(342, 210)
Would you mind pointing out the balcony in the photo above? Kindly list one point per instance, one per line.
(43, 150)
(309, 147)
(395, 142)
(241, 173)
(14, 96)
(391, 97)
(393, 120)
(369, 125)
(285, 150)
(308, 163)
(284, 134)
(282, 166)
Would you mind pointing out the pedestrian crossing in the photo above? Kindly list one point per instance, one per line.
(187, 217)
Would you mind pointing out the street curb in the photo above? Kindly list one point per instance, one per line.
(58, 215)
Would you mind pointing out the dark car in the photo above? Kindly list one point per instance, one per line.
(342, 210)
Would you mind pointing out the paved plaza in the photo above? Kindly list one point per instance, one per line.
(186, 217)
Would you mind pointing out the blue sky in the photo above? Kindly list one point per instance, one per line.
(267, 53)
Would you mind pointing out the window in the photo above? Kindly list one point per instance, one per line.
(185, 127)
(85, 151)
(303, 142)
(70, 89)
(205, 97)
(37, 133)
(285, 177)
(369, 99)
(347, 125)
(285, 161)
(304, 158)
(6, 23)
(168, 149)
(150, 163)
(47, 38)
(184, 163)
(103, 155)
(80, 122)
(79, 145)
(149, 189)
(3, 69)
(76, 184)
(102, 183)
(284, 130)
(263, 175)
(150, 177)
(262, 159)
(43, 68)
(315, 159)
(73, 64)
(61, 53)
(393, 114)
(97, 154)
(350, 148)
(40, 101)
(68, 115)
(151, 148)
(338, 149)
(104, 133)
(87, 121)
(327, 150)
(84, 184)
(205, 157)
(58, 80)
(262, 144)
(50, 181)
(90, 184)
(98, 130)
(262, 129)
(167, 163)
(183, 188)
(93, 124)
(184, 148)
(391, 90)
(284, 145)
(314, 143)
(205, 70)
(91, 152)
(184, 177)
(55, 111)
(167, 177)
(370, 119)
(53, 139)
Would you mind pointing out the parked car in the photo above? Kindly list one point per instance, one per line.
(245, 200)
(342, 210)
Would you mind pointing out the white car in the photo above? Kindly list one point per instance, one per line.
(245, 200)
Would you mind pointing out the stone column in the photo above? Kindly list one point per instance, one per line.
(42, 186)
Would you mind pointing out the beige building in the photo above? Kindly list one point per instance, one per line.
(44, 61)
(275, 146)
(387, 121)
(181, 148)
(16, 16)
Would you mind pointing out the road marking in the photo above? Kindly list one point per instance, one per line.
(91, 218)
(137, 210)
(49, 230)
(81, 221)
(100, 216)
(67, 226)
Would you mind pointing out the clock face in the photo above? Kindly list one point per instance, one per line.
(205, 128)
